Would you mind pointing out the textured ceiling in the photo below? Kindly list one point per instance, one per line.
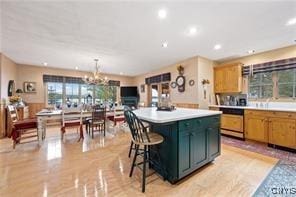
(127, 36)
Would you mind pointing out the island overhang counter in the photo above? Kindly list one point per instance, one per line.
(191, 139)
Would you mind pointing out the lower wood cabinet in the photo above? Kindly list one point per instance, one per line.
(278, 128)
(282, 132)
(256, 128)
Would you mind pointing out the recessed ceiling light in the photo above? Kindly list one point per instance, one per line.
(292, 21)
(217, 47)
(45, 63)
(162, 13)
(165, 45)
(76, 67)
(251, 51)
(121, 73)
(192, 30)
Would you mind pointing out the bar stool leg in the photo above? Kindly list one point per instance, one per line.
(130, 150)
(134, 160)
(144, 169)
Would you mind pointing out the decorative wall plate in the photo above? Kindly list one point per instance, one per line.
(191, 82)
(173, 84)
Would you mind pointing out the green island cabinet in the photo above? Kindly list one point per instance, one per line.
(188, 145)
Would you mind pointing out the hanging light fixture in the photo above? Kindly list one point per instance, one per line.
(96, 78)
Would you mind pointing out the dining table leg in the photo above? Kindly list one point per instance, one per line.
(40, 130)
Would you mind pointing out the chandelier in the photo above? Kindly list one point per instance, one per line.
(96, 78)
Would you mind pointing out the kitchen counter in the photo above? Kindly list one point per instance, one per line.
(271, 108)
(150, 114)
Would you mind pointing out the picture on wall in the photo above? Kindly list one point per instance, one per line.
(30, 87)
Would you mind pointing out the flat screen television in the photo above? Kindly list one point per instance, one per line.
(129, 91)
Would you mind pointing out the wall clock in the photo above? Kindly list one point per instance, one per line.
(173, 85)
(180, 80)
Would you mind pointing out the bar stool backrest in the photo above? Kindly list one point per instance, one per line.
(138, 131)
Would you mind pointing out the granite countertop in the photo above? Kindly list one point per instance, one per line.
(264, 108)
(150, 114)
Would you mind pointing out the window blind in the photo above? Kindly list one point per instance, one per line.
(53, 78)
(158, 78)
(283, 64)
(76, 80)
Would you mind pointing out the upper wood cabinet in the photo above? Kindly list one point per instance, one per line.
(228, 78)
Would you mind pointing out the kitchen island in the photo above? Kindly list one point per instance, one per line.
(191, 138)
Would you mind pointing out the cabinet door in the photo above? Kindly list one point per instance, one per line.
(228, 79)
(256, 128)
(184, 152)
(213, 141)
(218, 80)
(198, 144)
(282, 132)
(233, 78)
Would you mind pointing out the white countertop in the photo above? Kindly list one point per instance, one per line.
(270, 108)
(150, 114)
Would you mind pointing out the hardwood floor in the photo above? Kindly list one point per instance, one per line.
(100, 166)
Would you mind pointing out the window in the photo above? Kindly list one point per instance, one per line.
(286, 83)
(86, 91)
(55, 94)
(105, 93)
(261, 85)
(62, 93)
(72, 93)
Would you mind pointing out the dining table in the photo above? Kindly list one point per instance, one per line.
(44, 115)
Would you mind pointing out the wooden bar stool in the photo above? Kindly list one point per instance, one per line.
(143, 142)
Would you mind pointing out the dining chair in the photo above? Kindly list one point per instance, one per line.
(21, 129)
(117, 116)
(72, 118)
(144, 142)
(98, 120)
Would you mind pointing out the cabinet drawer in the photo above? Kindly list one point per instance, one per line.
(278, 114)
(186, 125)
(232, 122)
(257, 112)
(191, 124)
(213, 121)
(283, 114)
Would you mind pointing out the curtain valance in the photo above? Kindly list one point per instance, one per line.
(283, 64)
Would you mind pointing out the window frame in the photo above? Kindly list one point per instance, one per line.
(275, 89)
(80, 100)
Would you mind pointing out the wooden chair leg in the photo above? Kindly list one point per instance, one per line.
(134, 161)
(104, 129)
(144, 169)
(81, 133)
(92, 131)
(62, 132)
